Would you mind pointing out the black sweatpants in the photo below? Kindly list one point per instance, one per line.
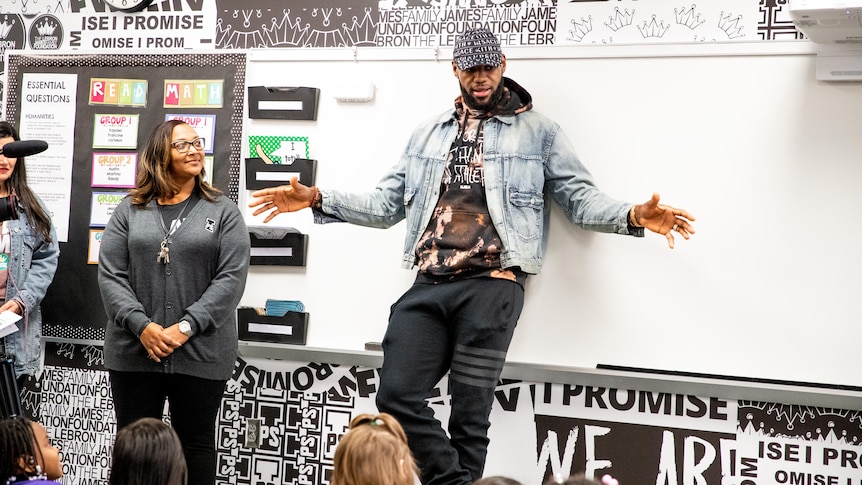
(463, 328)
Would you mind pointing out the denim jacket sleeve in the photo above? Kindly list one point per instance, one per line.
(35, 271)
(381, 208)
(41, 273)
(571, 185)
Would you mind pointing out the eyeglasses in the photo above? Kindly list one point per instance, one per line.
(182, 146)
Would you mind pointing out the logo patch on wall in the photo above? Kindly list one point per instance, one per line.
(210, 225)
(12, 35)
(46, 33)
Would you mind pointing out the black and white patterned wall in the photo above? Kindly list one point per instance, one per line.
(280, 422)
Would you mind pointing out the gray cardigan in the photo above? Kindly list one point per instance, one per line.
(203, 283)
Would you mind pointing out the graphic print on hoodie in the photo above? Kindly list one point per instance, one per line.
(460, 239)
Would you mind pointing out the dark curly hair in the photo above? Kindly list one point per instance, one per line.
(17, 441)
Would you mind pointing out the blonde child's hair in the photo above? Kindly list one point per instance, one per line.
(374, 450)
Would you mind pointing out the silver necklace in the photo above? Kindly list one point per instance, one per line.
(164, 255)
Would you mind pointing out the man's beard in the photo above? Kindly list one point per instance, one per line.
(489, 105)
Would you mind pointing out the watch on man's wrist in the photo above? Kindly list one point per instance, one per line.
(186, 328)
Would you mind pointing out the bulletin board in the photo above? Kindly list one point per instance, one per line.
(72, 308)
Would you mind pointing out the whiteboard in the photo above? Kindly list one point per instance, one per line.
(767, 158)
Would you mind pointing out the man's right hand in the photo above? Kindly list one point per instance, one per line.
(284, 198)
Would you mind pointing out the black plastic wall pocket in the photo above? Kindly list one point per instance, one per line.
(262, 175)
(283, 103)
(277, 246)
(291, 328)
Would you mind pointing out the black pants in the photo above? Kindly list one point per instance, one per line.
(463, 328)
(193, 403)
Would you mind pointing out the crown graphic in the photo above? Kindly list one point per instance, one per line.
(46, 28)
(620, 19)
(687, 17)
(223, 35)
(325, 13)
(362, 32)
(731, 26)
(228, 38)
(284, 33)
(30, 399)
(580, 29)
(66, 350)
(94, 355)
(653, 28)
(359, 30)
(326, 38)
(6, 26)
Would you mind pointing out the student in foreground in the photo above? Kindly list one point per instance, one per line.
(26, 454)
(475, 186)
(581, 479)
(373, 451)
(148, 452)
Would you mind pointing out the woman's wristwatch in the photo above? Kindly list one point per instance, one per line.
(186, 328)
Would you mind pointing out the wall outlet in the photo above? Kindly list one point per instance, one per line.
(252, 433)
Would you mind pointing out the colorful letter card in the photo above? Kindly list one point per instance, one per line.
(115, 131)
(114, 169)
(118, 92)
(103, 206)
(188, 93)
(95, 246)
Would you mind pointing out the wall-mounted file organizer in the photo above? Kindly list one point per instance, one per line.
(283, 103)
(277, 246)
(292, 328)
(262, 175)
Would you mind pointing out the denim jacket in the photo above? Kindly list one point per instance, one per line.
(31, 270)
(528, 162)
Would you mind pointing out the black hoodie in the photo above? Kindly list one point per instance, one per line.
(460, 240)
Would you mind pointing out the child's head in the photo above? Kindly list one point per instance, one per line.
(26, 452)
(374, 450)
(581, 479)
(496, 480)
(148, 452)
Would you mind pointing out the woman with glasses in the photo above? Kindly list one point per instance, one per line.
(172, 268)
